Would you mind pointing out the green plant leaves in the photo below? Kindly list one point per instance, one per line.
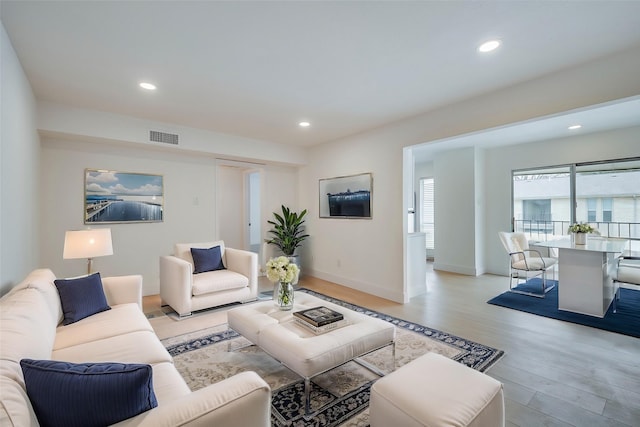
(288, 230)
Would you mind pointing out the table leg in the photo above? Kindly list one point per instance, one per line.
(307, 396)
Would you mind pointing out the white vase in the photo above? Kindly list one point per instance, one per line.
(580, 238)
(283, 295)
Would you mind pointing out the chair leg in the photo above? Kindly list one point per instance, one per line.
(545, 288)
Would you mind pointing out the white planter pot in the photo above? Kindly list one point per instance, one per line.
(580, 238)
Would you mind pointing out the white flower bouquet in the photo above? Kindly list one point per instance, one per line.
(281, 270)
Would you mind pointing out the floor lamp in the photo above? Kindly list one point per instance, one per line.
(87, 244)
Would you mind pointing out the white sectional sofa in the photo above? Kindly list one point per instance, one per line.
(30, 328)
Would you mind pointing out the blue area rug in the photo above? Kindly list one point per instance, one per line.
(625, 321)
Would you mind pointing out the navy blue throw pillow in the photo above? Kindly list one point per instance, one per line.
(81, 297)
(87, 394)
(207, 259)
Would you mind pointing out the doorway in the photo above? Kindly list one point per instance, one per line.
(238, 201)
(254, 229)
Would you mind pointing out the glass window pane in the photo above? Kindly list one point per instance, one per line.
(427, 220)
(591, 209)
(542, 202)
(615, 186)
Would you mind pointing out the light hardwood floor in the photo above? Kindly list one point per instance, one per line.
(554, 373)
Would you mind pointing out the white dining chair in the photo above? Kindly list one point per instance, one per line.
(526, 263)
(628, 274)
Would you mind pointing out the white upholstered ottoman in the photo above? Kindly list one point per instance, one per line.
(436, 391)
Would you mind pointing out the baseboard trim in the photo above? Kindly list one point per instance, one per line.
(467, 271)
(357, 285)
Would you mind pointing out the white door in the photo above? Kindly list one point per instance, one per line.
(254, 231)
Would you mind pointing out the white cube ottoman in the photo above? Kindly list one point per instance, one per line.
(436, 391)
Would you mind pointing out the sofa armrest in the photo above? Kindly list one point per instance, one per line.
(241, 400)
(123, 289)
(245, 263)
(176, 280)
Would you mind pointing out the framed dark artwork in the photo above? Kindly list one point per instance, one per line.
(122, 197)
(346, 196)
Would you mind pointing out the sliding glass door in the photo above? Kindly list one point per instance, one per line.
(604, 194)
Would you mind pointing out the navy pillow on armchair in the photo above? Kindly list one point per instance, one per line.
(81, 297)
(207, 259)
(87, 394)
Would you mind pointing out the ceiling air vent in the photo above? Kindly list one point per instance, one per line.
(166, 138)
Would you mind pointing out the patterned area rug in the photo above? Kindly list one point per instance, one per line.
(339, 397)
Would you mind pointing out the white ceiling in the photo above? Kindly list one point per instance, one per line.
(612, 115)
(255, 69)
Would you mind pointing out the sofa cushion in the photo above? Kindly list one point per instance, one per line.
(27, 329)
(134, 347)
(168, 384)
(15, 407)
(121, 319)
(207, 259)
(220, 280)
(81, 297)
(183, 250)
(87, 394)
(42, 280)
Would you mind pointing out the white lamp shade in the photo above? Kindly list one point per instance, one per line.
(87, 243)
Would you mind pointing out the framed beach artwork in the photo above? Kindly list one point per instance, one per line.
(346, 196)
(122, 197)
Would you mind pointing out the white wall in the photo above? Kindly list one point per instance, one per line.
(364, 254)
(231, 206)
(19, 158)
(58, 120)
(455, 211)
(480, 209)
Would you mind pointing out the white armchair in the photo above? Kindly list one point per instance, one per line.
(525, 261)
(186, 292)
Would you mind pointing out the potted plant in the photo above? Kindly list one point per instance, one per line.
(288, 231)
(580, 230)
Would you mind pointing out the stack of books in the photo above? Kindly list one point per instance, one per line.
(319, 319)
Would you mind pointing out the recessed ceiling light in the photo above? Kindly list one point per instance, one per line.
(574, 127)
(304, 124)
(148, 86)
(489, 46)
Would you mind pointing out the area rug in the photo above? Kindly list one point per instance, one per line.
(342, 394)
(625, 321)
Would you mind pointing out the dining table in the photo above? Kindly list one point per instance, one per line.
(585, 272)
